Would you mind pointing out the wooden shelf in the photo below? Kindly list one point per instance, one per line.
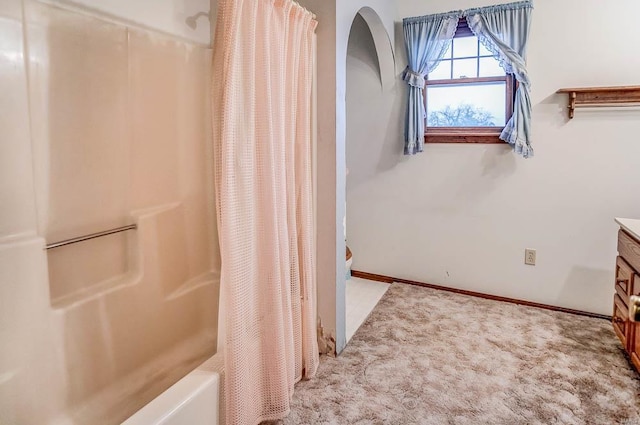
(601, 97)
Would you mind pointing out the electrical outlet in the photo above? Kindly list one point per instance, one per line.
(530, 257)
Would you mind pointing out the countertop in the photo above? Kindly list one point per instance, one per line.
(631, 225)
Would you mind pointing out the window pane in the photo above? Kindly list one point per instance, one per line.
(464, 47)
(466, 105)
(442, 71)
(484, 51)
(465, 68)
(490, 67)
(449, 52)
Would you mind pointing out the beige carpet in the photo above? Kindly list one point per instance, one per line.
(432, 357)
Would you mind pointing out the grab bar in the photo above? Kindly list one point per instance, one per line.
(91, 236)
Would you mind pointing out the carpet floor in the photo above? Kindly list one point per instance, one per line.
(431, 357)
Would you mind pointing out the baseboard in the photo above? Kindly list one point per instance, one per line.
(389, 279)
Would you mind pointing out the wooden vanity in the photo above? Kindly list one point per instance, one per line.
(627, 284)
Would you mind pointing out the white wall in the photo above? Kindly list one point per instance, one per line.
(168, 16)
(462, 215)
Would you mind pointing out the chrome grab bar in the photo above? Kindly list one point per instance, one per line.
(91, 236)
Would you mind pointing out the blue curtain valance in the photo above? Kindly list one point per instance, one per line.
(527, 4)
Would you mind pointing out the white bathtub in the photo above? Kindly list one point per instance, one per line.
(196, 399)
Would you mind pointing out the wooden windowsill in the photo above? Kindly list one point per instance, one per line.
(488, 136)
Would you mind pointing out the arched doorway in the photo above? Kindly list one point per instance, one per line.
(370, 85)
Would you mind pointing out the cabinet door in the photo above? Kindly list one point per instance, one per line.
(634, 341)
(621, 321)
(633, 328)
(625, 279)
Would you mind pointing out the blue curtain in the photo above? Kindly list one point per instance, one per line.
(504, 31)
(427, 39)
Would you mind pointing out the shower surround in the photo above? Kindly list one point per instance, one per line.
(102, 125)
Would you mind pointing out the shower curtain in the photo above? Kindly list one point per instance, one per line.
(261, 98)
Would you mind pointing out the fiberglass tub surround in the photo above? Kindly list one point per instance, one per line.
(119, 123)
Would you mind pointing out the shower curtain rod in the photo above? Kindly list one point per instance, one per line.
(91, 236)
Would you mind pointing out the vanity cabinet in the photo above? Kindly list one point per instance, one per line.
(627, 283)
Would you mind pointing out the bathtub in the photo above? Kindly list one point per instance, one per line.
(196, 399)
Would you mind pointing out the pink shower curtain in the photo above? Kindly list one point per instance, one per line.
(262, 82)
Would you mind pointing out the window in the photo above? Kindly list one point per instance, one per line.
(468, 96)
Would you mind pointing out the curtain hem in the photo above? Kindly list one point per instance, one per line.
(413, 148)
(520, 146)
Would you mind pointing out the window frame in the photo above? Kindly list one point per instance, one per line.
(484, 135)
